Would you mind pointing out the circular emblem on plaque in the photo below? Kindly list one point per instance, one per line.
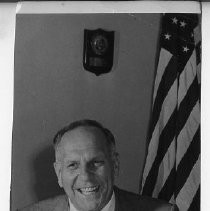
(99, 44)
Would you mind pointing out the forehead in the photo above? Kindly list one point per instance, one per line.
(84, 138)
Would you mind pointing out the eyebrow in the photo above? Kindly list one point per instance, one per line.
(75, 159)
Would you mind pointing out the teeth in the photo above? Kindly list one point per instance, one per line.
(88, 190)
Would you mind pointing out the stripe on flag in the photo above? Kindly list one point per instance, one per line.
(168, 108)
(188, 192)
(163, 175)
(192, 125)
(163, 63)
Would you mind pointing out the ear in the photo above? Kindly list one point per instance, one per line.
(58, 168)
(116, 167)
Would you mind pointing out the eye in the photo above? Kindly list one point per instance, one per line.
(98, 163)
(72, 166)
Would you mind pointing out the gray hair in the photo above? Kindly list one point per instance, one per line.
(85, 123)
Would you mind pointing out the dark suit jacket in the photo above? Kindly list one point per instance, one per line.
(125, 201)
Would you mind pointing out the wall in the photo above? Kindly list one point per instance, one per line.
(52, 89)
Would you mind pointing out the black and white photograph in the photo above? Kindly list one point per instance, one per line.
(106, 108)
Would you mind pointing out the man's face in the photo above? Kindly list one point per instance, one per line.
(86, 169)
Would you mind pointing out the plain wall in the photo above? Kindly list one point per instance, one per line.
(52, 89)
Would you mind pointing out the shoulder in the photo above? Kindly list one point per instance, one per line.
(138, 202)
(46, 205)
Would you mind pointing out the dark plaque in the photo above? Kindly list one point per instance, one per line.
(98, 51)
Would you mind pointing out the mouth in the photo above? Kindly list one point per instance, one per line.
(88, 190)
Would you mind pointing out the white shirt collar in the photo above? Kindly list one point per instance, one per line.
(109, 207)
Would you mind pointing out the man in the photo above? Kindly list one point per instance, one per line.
(86, 166)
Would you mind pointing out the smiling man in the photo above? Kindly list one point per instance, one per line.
(86, 166)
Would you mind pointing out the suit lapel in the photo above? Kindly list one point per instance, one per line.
(120, 204)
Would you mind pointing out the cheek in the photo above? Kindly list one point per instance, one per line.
(68, 180)
(105, 176)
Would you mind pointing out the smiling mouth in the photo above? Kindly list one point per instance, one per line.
(88, 190)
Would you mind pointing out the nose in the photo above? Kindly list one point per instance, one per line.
(85, 173)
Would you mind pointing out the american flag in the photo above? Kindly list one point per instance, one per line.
(172, 168)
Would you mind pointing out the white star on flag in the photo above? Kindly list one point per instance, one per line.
(185, 49)
(182, 24)
(167, 36)
(174, 20)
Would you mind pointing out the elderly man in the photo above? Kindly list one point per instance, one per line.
(86, 166)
